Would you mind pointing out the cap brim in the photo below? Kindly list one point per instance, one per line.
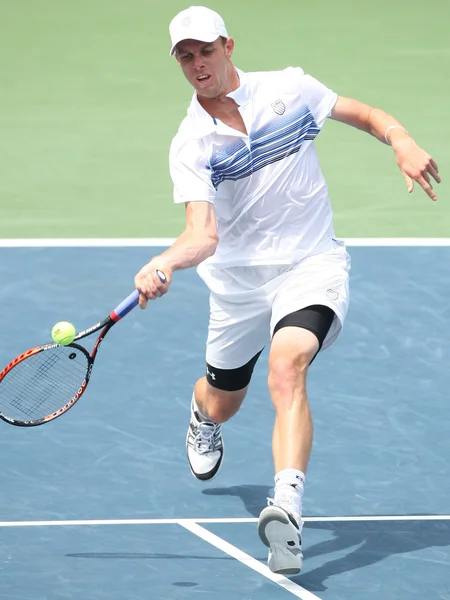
(204, 37)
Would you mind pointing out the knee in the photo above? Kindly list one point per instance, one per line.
(288, 372)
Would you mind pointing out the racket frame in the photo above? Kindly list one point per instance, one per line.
(115, 315)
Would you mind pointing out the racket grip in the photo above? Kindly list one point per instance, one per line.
(125, 306)
(161, 276)
(131, 301)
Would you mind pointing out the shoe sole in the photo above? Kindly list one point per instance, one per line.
(276, 531)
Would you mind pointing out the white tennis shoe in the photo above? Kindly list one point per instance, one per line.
(204, 446)
(281, 533)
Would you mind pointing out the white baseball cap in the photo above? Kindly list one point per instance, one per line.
(196, 23)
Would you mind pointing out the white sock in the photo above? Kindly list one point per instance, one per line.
(201, 415)
(289, 487)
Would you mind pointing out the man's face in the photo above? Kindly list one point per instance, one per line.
(206, 65)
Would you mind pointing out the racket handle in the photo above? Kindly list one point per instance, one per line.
(125, 306)
(131, 301)
(161, 276)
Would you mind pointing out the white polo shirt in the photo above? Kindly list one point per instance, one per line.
(270, 197)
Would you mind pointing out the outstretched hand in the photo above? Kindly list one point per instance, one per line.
(416, 165)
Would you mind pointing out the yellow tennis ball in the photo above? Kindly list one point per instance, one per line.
(63, 333)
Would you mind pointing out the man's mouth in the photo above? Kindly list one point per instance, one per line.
(203, 78)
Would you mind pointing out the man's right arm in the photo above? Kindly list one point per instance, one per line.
(197, 242)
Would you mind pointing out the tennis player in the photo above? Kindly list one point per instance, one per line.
(259, 228)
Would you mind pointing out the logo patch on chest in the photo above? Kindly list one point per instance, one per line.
(278, 107)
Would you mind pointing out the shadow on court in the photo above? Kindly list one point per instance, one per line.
(254, 497)
(367, 542)
(374, 541)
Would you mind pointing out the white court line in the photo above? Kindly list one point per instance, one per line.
(83, 242)
(137, 242)
(379, 518)
(247, 560)
(83, 522)
(379, 242)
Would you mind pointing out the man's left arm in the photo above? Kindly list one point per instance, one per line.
(414, 163)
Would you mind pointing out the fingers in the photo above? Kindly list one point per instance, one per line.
(423, 178)
(425, 184)
(409, 182)
(432, 169)
(417, 165)
(434, 164)
(426, 177)
(143, 301)
(151, 284)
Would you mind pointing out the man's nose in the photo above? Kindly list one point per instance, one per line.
(198, 62)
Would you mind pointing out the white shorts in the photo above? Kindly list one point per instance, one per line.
(246, 303)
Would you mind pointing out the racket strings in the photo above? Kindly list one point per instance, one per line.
(42, 383)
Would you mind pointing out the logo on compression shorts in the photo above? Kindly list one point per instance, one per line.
(279, 107)
(212, 375)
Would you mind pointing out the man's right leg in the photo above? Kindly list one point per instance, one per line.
(237, 332)
(216, 404)
(204, 444)
(217, 397)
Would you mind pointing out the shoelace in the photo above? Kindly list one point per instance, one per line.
(204, 440)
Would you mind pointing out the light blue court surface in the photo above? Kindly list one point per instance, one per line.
(380, 404)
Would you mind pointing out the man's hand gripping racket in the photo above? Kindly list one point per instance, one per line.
(46, 381)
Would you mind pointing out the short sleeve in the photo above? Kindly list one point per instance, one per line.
(190, 172)
(319, 98)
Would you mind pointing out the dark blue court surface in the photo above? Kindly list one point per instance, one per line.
(380, 405)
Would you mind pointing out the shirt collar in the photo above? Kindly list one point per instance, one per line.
(204, 124)
(242, 94)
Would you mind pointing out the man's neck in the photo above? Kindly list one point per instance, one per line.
(222, 101)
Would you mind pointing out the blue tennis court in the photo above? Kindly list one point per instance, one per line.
(100, 504)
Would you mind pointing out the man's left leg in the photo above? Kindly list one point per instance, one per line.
(297, 339)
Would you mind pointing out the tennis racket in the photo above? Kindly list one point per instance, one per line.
(46, 381)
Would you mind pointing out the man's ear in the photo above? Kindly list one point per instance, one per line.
(229, 47)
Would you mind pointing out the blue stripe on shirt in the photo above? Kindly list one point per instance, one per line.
(281, 137)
